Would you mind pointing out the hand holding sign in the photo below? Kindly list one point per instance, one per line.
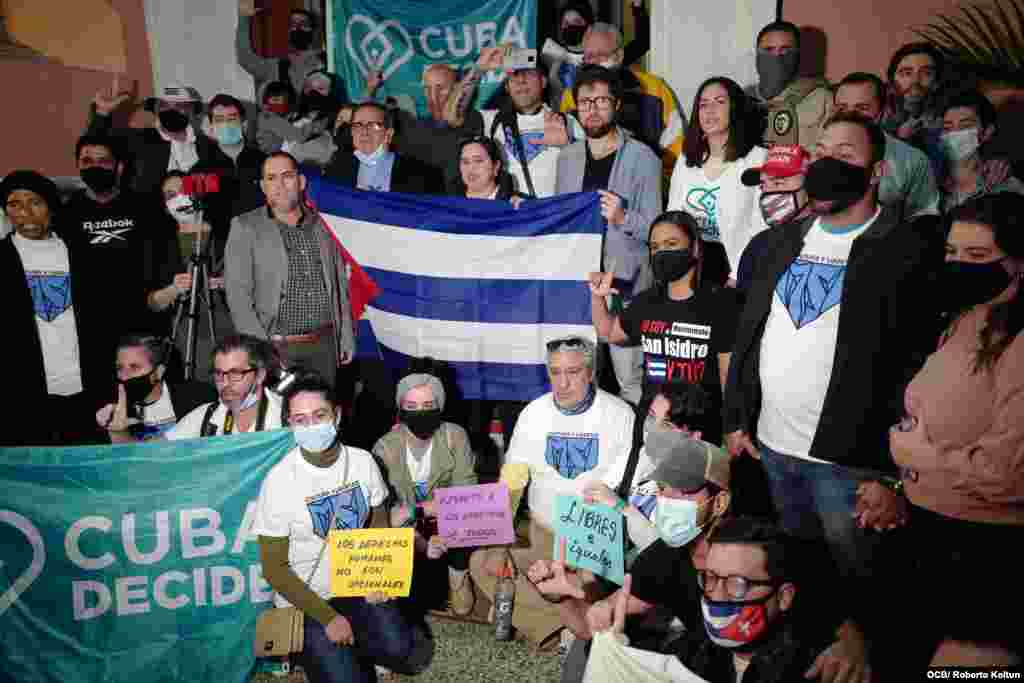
(372, 563)
(594, 537)
(474, 515)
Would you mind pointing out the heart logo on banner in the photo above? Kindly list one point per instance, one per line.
(367, 61)
(35, 568)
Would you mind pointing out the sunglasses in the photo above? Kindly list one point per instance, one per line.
(566, 342)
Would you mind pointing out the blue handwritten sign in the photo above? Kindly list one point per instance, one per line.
(593, 537)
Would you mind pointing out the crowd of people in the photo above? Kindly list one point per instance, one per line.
(806, 399)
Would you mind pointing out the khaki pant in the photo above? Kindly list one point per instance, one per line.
(532, 615)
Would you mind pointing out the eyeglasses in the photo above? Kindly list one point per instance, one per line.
(736, 587)
(233, 376)
(375, 126)
(599, 102)
(567, 343)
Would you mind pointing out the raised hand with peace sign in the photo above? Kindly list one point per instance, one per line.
(107, 101)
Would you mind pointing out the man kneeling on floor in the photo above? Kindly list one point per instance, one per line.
(567, 438)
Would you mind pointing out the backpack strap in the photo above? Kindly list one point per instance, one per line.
(510, 127)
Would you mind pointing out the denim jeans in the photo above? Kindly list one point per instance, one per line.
(383, 636)
(817, 501)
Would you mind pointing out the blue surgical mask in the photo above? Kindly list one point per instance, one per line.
(372, 158)
(676, 521)
(228, 133)
(960, 144)
(250, 399)
(316, 438)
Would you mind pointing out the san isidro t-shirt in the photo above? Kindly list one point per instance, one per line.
(682, 339)
(799, 342)
(48, 277)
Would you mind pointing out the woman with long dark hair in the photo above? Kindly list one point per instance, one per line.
(685, 324)
(961, 446)
(482, 173)
(720, 146)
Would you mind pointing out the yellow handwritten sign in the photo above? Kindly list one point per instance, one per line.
(365, 561)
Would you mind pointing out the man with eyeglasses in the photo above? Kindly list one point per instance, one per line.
(648, 108)
(240, 367)
(627, 175)
(795, 108)
(749, 588)
(285, 277)
(372, 164)
(567, 438)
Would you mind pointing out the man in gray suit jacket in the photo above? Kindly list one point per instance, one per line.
(627, 175)
(285, 277)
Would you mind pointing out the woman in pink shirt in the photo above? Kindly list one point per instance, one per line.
(961, 446)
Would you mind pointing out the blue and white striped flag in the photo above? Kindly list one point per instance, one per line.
(474, 283)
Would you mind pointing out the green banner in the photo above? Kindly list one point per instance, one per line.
(400, 38)
(132, 562)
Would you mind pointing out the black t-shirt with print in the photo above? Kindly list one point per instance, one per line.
(597, 172)
(665, 576)
(682, 339)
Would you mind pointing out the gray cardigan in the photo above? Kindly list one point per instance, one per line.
(256, 272)
(636, 177)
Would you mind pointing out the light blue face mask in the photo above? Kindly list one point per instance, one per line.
(228, 133)
(676, 521)
(315, 438)
(372, 158)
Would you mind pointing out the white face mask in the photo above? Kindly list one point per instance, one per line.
(181, 209)
(316, 438)
(676, 521)
(960, 144)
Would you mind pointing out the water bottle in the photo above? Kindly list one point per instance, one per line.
(504, 601)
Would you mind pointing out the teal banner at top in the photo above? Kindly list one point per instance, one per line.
(132, 562)
(401, 38)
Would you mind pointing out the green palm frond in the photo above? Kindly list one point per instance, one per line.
(986, 38)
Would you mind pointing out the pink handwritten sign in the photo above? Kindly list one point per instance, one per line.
(474, 515)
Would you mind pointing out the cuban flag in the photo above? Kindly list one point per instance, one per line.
(475, 283)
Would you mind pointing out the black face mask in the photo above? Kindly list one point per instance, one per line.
(670, 265)
(573, 35)
(99, 180)
(173, 121)
(299, 39)
(833, 180)
(315, 101)
(422, 423)
(968, 284)
(136, 389)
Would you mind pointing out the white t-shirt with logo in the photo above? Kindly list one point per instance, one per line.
(299, 500)
(565, 452)
(799, 343)
(542, 160)
(48, 277)
(191, 426)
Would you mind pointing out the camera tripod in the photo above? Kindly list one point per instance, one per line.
(187, 305)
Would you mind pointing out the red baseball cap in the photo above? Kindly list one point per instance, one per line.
(784, 161)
